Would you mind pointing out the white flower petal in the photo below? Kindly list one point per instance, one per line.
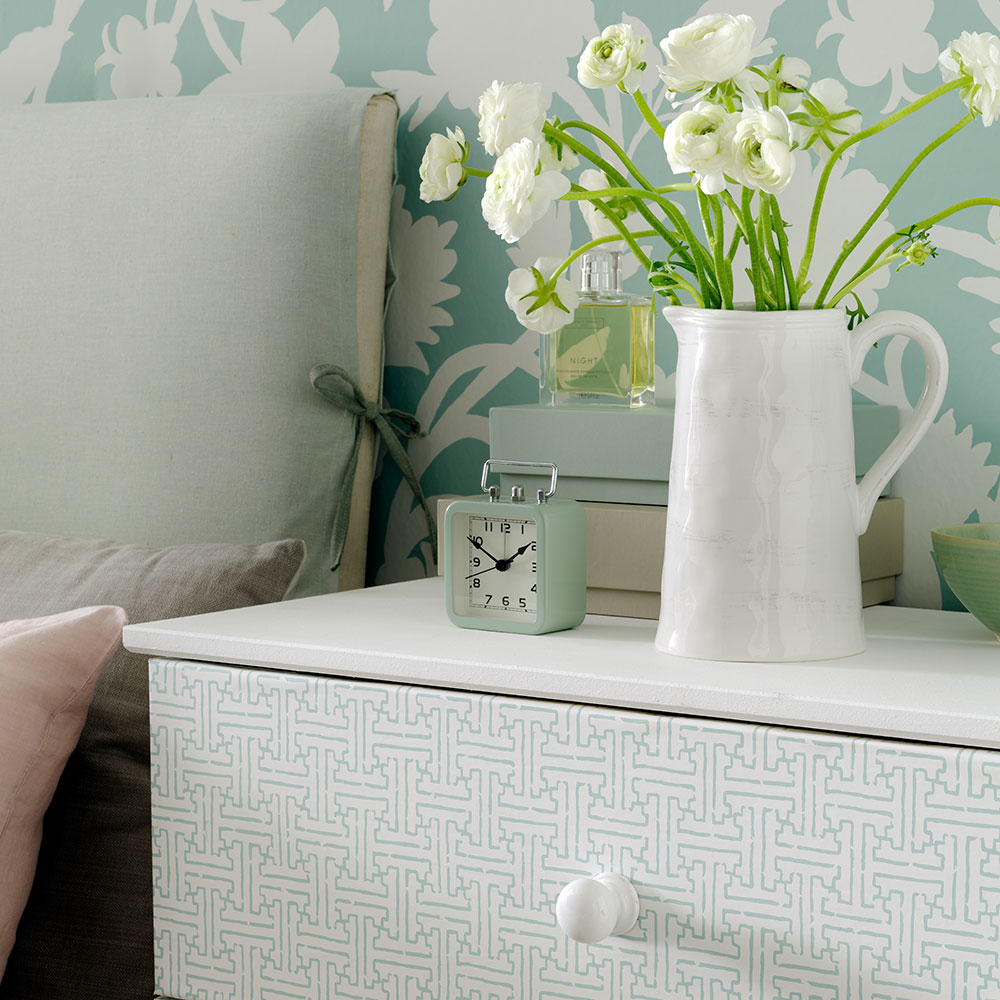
(709, 50)
(976, 58)
(515, 196)
(509, 113)
(548, 317)
(441, 171)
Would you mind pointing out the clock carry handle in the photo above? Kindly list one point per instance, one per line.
(522, 465)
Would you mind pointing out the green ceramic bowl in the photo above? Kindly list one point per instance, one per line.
(968, 556)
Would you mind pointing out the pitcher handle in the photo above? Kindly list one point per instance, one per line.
(861, 340)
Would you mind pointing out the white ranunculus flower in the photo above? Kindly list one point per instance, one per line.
(613, 59)
(441, 170)
(791, 75)
(554, 155)
(826, 118)
(700, 142)
(709, 50)
(597, 222)
(976, 57)
(762, 150)
(558, 308)
(515, 196)
(509, 113)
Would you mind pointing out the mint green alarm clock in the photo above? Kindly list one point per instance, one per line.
(516, 565)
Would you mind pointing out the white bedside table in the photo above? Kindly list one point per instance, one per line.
(375, 804)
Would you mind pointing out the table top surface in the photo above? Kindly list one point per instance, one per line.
(925, 675)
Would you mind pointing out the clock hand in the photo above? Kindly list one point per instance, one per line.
(504, 564)
(489, 569)
(479, 546)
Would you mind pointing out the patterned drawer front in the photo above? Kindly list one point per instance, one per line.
(316, 838)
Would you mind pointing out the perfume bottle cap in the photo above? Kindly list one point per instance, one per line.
(616, 268)
(598, 272)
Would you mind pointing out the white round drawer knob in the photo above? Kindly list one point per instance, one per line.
(591, 909)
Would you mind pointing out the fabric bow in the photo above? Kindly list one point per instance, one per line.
(339, 387)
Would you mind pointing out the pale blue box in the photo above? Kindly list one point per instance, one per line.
(621, 455)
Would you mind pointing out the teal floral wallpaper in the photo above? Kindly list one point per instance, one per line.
(453, 348)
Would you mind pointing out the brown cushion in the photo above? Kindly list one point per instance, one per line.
(86, 931)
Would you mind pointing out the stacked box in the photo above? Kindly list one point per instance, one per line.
(621, 455)
(625, 555)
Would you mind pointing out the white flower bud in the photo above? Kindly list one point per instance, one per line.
(613, 58)
(441, 170)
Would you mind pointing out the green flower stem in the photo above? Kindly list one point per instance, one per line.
(699, 255)
(647, 114)
(852, 244)
(738, 231)
(767, 240)
(734, 244)
(756, 265)
(723, 264)
(778, 224)
(706, 217)
(646, 191)
(730, 202)
(475, 171)
(867, 266)
(689, 288)
(842, 148)
(582, 148)
(625, 235)
(715, 233)
(860, 276)
(714, 240)
(595, 243)
(601, 240)
(615, 177)
(674, 240)
(630, 239)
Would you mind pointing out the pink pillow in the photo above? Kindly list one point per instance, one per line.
(48, 668)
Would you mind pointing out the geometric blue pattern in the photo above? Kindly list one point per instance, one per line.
(321, 838)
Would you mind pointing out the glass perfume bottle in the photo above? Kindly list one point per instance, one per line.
(604, 355)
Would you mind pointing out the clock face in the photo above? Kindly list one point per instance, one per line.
(494, 566)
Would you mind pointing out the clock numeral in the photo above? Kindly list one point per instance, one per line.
(534, 589)
(489, 597)
(505, 527)
(523, 602)
(475, 561)
(477, 539)
(534, 567)
(476, 582)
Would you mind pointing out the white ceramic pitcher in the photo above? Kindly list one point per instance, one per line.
(764, 508)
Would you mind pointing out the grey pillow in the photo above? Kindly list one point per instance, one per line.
(87, 930)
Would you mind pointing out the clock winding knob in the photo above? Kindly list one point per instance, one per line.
(591, 909)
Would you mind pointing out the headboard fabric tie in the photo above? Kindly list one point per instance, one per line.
(337, 386)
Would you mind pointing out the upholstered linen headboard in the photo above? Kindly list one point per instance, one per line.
(170, 271)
